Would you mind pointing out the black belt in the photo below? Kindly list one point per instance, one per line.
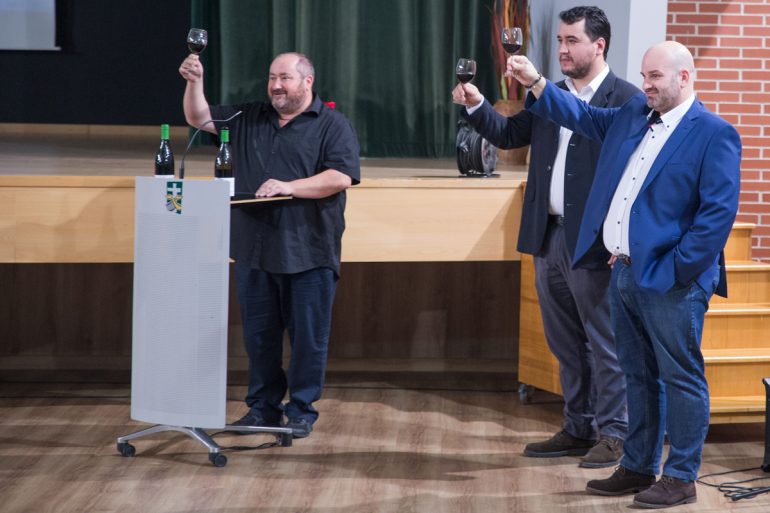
(624, 258)
(556, 220)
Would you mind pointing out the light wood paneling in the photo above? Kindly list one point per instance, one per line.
(727, 325)
(386, 224)
(390, 217)
(735, 342)
(737, 371)
(538, 367)
(747, 282)
(738, 245)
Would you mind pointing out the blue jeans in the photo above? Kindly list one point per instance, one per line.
(658, 339)
(270, 304)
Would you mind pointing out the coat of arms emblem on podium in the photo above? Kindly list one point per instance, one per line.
(174, 197)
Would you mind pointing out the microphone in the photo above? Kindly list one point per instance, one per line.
(181, 165)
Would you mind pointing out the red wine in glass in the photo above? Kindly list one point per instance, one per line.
(512, 39)
(465, 70)
(197, 39)
(511, 47)
(465, 77)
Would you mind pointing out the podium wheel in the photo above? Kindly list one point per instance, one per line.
(218, 459)
(126, 450)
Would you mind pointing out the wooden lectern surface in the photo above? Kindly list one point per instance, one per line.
(67, 196)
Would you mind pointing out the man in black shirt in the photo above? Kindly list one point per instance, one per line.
(287, 254)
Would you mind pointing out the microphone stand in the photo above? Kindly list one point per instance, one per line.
(181, 165)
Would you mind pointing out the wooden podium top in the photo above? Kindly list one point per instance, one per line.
(67, 196)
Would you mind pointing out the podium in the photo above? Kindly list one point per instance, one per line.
(179, 339)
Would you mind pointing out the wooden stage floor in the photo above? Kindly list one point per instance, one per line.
(384, 443)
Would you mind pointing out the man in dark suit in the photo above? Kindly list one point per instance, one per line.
(573, 302)
(663, 202)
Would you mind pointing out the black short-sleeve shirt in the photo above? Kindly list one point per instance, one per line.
(299, 234)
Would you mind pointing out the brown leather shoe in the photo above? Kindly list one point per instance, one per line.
(560, 444)
(667, 492)
(621, 482)
(606, 453)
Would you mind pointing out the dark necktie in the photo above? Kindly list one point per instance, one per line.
(654, 119)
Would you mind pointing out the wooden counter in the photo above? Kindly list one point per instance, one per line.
(396, 214)
(430, 273)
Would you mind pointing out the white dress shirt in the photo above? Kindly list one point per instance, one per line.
(556, 194)
(638, 166)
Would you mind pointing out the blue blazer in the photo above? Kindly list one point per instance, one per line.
(686, 206)
(525, 128)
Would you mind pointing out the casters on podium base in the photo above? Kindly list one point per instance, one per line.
(126, 450)
(218, 459)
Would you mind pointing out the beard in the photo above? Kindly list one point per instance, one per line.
(665, 99)
(287, 103)
(578, 71)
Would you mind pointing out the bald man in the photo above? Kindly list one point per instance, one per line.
(663, 202)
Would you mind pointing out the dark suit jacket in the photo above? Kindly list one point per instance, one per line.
(686, 206)
(582, 154)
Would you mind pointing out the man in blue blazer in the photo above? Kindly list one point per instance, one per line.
(663, 202)
(574, 302)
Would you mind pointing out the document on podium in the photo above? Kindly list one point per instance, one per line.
(246, 199)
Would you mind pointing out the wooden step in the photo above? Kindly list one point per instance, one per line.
(737, 324)
(738, 245)
(736, 371)
(732, 409)
(748, 281)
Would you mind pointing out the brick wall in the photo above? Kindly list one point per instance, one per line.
(729, 39)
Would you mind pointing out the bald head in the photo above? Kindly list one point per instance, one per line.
(668, 70)
(676, 54)
(299, 61)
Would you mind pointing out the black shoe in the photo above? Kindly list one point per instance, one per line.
(621, 482)
(606, 453)
(300, 428)
(667, 492)
(253, 418)
(560, 444)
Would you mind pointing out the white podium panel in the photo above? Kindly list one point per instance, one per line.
(181, 266)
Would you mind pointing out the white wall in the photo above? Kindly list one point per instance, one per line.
(636, 25)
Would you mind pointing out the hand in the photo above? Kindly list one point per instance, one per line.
(191, 68)
(274, 188)
(467, 94)
(519, 67)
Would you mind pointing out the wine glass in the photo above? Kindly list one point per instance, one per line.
(511, 38)
(465, 70)
(197, 39)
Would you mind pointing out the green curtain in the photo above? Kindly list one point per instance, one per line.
(388, 65)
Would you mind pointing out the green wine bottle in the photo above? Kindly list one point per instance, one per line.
(223, 164)
(164, 159)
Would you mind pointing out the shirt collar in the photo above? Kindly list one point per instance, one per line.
(592, 86)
